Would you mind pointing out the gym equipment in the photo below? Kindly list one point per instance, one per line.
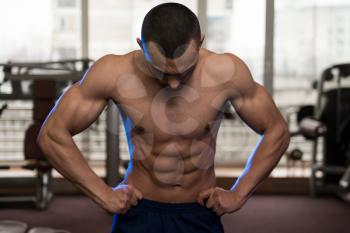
(62, 72)
(330, 119)
(46, 230)
(10, 226)
(47, 81)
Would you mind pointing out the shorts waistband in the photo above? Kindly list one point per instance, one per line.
(166, 207)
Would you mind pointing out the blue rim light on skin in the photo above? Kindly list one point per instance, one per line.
(145, 49)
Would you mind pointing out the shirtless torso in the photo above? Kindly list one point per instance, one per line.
(171, 131)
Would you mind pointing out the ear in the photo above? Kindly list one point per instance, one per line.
(202, 39)
(139, 41)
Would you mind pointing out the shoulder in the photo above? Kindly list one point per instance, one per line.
(241, 79)
(101, 77)
(226, 70)
(217, 65)
(239, 70)
(109, 63)
(222, 63)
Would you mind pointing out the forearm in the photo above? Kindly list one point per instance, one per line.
(63, 154)
(262, 161)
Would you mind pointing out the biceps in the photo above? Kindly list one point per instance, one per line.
(74, 111)
(257, 110)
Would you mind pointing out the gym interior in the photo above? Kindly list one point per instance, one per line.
(298, 50)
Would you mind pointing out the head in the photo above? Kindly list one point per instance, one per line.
(170, 40)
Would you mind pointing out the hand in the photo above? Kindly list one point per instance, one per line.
(221, 201)
(120, 198)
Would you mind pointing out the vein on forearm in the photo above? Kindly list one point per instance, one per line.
(262, 160)
(66, 158)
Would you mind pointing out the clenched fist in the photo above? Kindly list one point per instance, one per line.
(120, 198)
(221, 201)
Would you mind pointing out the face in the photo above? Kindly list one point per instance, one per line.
(171, 72)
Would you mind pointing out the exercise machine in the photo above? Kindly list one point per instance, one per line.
(46, 82)
(329, 118)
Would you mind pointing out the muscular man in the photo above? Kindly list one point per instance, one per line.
(171, 95)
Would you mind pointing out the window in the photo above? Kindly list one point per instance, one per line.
(309, 37)
(115, 25)
(32, 31)
(66, 52)
(25, 23)
(66, 3)
(235, 26)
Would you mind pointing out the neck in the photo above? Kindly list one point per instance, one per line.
(142, 64)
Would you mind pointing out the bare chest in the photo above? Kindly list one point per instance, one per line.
(188, 112)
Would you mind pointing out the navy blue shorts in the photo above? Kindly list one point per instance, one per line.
(158, 217)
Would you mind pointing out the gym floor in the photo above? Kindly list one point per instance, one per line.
(261, 214)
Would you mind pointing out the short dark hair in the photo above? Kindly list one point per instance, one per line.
(171, 25)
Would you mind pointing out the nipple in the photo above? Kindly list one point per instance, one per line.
(138, 129)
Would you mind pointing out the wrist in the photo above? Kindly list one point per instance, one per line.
(103, 196)
(239, 195)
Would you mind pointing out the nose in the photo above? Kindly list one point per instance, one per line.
(173, 83)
